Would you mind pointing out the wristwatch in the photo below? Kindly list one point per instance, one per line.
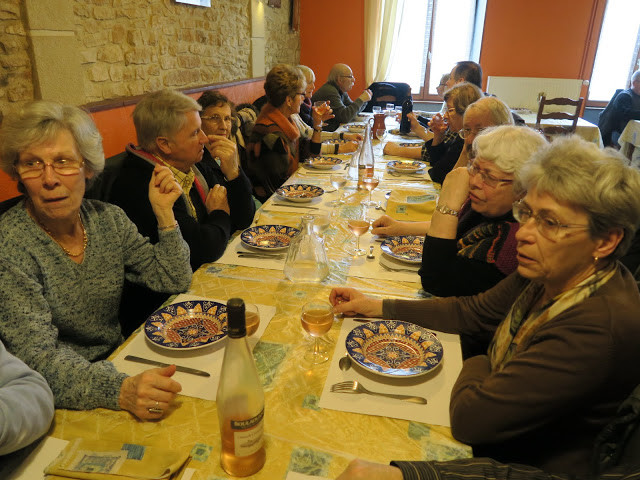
(446, 210)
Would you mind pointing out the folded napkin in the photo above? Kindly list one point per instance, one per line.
(110, 460)
(412, 205)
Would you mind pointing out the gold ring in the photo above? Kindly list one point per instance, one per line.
(155, 409)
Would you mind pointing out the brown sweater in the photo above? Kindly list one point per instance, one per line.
(547, 405)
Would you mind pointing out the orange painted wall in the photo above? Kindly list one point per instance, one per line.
(7, 187)
(332, 31)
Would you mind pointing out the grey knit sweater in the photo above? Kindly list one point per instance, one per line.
(60, 317)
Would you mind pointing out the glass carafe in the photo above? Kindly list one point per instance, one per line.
(306, 258)
(352, 172)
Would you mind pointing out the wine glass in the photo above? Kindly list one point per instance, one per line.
(359, 227)
(322, 107)
(376, 109)
(321, 222)
(389, 108)
(317, 318)
(370, 182)
(251, 318)
(338, 180)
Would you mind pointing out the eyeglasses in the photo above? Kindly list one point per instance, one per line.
(217, 118)
(465, 132)
(486, 177)
(451, 111)
(29, 169)
(347, 76)
(547, 225)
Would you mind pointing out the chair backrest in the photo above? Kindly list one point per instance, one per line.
(101, 187)
(387, 92)
(7, 204)
(558, 129)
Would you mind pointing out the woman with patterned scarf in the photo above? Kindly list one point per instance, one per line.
(564, 352)
(274, 146)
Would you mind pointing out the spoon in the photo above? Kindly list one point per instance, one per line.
(345, 363)
(380, 207)
(370, 255)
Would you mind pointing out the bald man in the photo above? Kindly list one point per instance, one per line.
(335, 91)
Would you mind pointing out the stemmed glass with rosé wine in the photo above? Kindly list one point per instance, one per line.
(322, 107)
(316, 319)
(359, 227)
(338, 180)
(370, 182)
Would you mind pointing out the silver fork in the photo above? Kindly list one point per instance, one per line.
(394, 269)
(355, 387)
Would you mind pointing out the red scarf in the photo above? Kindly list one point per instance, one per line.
(271, 120)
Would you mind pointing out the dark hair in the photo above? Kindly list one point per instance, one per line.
(214, 98)
(469, 72)
(283, 81)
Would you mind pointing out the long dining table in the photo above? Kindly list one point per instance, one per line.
(308, 429)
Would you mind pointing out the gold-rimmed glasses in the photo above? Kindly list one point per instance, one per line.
(548, 226)
(486, 177)
(34, 168)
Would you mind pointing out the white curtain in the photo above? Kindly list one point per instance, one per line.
(380, 30)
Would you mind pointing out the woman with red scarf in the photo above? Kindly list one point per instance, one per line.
(274, 146)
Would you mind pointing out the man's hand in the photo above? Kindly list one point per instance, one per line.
(366, 95)
(217, 199)
(227, 151)
(152, 389)
(164, 190)
(352, 302)
(348, 147)
(363, 470)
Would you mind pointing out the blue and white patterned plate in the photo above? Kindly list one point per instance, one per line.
(334, 141)
(406, 248)
(406, 167)
(299, 192)
(355, 127)
(187, 325)
(268, 237)
(394, 349)
(396, 131)
(324, 163)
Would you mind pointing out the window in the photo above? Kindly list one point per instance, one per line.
(425, 48)
(617, 55)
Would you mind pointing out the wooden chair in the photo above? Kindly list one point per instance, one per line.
(548, 130)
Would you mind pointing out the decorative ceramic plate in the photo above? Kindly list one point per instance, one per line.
(406, 167)
(187, 325)
(299, 192)
(324, 163)
(355, 127)
(396, 131)
(394, 349)
(335, 141)
(268, 237)
(406, 248)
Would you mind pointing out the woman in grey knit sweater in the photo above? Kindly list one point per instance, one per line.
(63, 261)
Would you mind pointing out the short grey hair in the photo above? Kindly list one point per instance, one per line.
(335, 72)
(499, 111)
(635, 76)
(161, 114)
(308, 73)
(508, 147)
(43, 120)
(598, 181)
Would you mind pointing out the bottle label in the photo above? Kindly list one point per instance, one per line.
(247, 435)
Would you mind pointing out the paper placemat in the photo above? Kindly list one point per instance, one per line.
(435, 386)
(208, 359)
(230, 257)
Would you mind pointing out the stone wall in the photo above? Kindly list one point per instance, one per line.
(129, 47)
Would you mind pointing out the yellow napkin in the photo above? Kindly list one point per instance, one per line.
(411, 205)
(110, 460)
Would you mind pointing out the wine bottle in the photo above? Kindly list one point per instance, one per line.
(405, 123)
(240, 400)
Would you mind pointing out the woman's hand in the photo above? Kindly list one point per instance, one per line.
(227, 151)
(318, 119)
(385, 225)
(151, 389)
(363, 470)
(217, 199)
(347, 147)
(392, 148)
(352, 302)
(455, 188)
(164, 190)
(355, 137)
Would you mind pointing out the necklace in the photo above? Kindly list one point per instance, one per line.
(85, 238)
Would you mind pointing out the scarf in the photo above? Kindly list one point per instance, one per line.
(521, 323)
(271, 120)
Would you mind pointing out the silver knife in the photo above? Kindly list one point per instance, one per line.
(261, 255)
(293, 206)
(179, 368)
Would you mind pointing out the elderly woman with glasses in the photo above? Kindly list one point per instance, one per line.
(442, 151)
(274, 147)
(564, 327)
(64, 259)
